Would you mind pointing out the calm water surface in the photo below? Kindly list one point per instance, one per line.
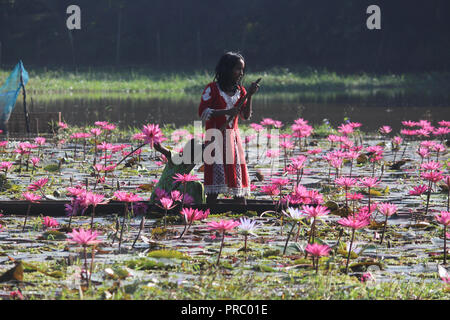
(372, 108)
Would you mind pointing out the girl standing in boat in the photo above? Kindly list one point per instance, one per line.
(218, 104)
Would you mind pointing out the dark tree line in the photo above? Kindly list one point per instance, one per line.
(192, 34)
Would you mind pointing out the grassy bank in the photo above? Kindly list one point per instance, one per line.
(274, 80)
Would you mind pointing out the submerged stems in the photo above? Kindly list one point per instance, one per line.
(141, 227)
(26, 217)
(221, 247)
(350, 250)
(445, 244)
(428, 198)
(125, 213)
(384, 230)
(92, 217)
(287, 240)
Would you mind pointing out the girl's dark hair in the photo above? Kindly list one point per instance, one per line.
(224, 68)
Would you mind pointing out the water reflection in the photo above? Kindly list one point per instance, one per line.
(373, 108)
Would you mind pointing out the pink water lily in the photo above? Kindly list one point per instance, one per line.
(100, 123)
(194, 214)
(316, 251)
(39, 141)
(93, 199)
(346, 129)
(109, 127)
(397, 140)
(355, 196)
(257, 127)
(387, 209)
(35, 160)
(191, 215)
(271, 190)
(385, 129)
(368, 183)
(431, 165)
(152, 134)
(272, 153)
(96, 131)
(184, 178)
(418, 190)
(5, 166)
(38, 185)
(62, 125)
(176, 195)
(31, 197)
(346, 183)
(354, 222)
(75, 191)
(84, 238)
(223, 226)
(167, 204)
(433, 176)
(50, 222)
(444, 218)
(127, 197)
(315, 211)
(267, 122)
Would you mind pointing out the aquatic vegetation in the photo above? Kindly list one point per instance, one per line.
(444, 219)
(32, 198)
(184, 179)
(50, 222)
(191, 215)
(222, 226)
(94, 199)
(387, 209)
(126, 198)
(247, 227)
(167, 204)
(294, 180)
(316, 251)
(85, 238)
(354, 222)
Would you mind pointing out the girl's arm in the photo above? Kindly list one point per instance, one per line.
(247, 111)
(164, 151)
(229, 112)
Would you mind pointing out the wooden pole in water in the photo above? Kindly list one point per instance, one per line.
(24, 92)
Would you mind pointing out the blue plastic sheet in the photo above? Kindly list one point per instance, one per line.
(10, 90)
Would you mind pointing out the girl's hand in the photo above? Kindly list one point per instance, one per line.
(233, 111)
(254, 87)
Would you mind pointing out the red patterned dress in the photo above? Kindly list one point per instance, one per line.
(230, 176)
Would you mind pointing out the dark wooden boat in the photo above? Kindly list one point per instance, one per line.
(56, 208)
